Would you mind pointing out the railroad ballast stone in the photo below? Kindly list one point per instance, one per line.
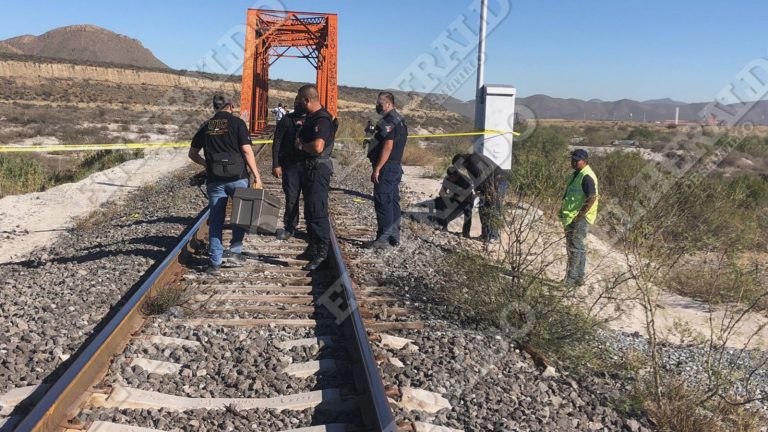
(490, 384)
(51, 302)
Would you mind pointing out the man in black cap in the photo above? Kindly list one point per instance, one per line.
(315, 140)
(578, 211)
(286, 165)
(226, 143)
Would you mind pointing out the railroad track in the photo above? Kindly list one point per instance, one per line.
(266, 345)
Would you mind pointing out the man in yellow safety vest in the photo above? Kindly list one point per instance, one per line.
(578, 211)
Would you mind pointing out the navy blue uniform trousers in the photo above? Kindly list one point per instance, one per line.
(315, 185)
(292, 189)
(386, 202)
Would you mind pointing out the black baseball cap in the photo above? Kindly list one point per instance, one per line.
(219, 102)
(579, 154)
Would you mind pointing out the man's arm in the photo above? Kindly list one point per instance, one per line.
(246, 150)
(197, 144)
(277, 143)
(250, 160)
(588, 187)
(587, 206)
(322, 133)
(386, 150)
(194, 154)
(315, 147)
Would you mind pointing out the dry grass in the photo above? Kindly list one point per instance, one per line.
(96, 217)
(416, 155)
(163, 301)
(681, 410)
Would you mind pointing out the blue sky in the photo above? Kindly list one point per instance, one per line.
(607, 49)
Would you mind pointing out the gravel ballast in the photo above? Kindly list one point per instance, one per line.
(50, 303)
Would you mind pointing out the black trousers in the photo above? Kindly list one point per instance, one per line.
(292, 188)
(449, 209)
(315, 185)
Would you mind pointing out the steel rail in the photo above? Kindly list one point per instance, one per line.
(379, 403)
(70, 390)
(72, 387)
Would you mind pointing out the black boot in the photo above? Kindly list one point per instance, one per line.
(319, 259)
(309, 253)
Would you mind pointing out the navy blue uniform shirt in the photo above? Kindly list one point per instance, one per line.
(284, 151)
(318, 124)
(390, 127)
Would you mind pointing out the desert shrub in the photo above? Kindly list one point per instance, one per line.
(541, 165)
(415, 154)
(616, 172)
(754, 146)
(681, 410)
(20, 174)
(641, 133)
(534, 310)
(749, 192)
(94, 162)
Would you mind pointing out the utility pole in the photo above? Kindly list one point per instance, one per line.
(479, 102)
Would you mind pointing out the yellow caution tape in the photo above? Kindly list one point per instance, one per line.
(135, 146)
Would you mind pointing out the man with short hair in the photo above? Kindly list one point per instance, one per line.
(226, 144)
(385, 152)
(578, 211)
(315, 140)
(286, 165)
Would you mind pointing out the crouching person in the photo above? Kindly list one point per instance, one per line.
(226, 145)
(456, 198)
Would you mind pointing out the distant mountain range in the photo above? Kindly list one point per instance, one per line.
(89, 43)
(84, 43)
(544, 106)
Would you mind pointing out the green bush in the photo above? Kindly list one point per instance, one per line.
(21, 174)
(97, 161)
(616, 171)
(754, 146)
(641, 133)
(541, 165)
(530, 309)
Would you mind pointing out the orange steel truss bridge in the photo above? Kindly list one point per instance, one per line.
(271, 35)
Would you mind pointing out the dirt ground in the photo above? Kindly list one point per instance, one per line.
(603, 263)
(33, 220)
(30, 221)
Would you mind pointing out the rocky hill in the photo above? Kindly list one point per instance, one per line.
(84, 43)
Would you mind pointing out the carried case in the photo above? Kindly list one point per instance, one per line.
(255, 211)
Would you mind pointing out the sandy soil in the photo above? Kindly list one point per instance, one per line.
(32, 220)
(603, 263)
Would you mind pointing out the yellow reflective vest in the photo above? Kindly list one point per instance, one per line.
(574, 198)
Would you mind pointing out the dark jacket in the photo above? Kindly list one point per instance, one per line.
(284, 151)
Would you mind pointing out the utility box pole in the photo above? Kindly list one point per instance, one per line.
(495, 112)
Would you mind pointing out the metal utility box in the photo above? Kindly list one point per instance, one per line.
(496, 112)
(255, 211)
